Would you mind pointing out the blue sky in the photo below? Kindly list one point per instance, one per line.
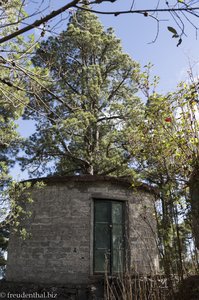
(136, 33)
(170, 62)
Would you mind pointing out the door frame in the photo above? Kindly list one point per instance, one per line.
(124, 232)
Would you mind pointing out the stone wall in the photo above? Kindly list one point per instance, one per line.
(60, 249)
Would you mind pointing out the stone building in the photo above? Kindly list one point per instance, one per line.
(82, 227)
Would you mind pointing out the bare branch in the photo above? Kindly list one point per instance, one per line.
(141, 11)
(37, 23)
(148, 12)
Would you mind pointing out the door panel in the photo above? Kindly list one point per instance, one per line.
(102, 236)
(102, 211)
(117, 212)
(117, 261)
(117, 236)
(108, 236)
(102, 260)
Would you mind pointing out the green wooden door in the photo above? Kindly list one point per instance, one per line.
(108, 236)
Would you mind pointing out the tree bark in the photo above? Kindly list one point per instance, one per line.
(194, 194)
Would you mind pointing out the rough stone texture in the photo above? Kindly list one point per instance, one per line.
(194, 193)
(60, 249)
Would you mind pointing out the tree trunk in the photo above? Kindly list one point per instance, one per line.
(194, 194)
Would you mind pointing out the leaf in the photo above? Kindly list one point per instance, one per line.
(171, 29)
(179, 42)
(175, 36)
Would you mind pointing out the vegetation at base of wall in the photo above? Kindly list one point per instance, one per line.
(150, 288)
(137, 287)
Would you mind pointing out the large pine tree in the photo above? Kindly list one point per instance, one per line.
(81, 113)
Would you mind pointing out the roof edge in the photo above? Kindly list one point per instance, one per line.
(126, 181)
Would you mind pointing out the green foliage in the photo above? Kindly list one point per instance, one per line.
(15, 209)
(13, 92)
(12, 13)
(20, 200)
(166, 154)
(92, 88)
(4, 234)
(14, 70)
